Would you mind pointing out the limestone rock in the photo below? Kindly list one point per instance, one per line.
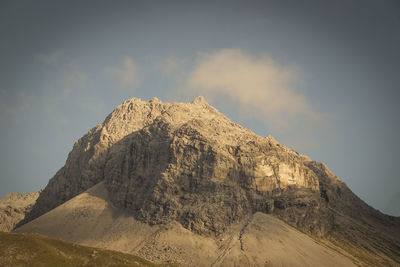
(187, 162)
(14, 207)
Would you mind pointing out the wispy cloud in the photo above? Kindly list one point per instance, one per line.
(51, 58)
(173, 67)
(64, 93)
(128, 75)
(260, 87)
(75, 89)
(14, 109)
(66, 90)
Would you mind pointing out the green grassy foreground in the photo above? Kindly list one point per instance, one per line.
(38, 250)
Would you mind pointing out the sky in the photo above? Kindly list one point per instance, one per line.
(322, 77)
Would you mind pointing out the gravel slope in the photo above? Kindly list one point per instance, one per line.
(259, 240)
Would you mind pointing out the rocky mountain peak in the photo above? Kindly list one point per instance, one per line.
(176, 161)
(188, 163)
(200, 100)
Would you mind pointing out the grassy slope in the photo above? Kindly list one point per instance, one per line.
(38, 250)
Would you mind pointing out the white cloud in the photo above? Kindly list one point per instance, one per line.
(51, 58)
(128, 75)
(258, 85)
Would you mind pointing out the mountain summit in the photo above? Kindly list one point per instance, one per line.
(188, 163)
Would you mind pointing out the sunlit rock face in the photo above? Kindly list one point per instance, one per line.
(14, 207)
(181, 161)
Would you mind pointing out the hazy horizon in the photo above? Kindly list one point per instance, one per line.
(322, 78)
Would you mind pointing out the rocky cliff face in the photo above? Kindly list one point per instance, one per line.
(14, 207)
(189, 163)
(193, 165)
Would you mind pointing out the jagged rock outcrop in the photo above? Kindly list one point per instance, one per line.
(187, 162)
(14, 207)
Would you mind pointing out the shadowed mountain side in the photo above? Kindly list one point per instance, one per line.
(90, 219)
(166, 172)
(85, 164)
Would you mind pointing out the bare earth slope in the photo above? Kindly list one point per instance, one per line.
(187, 163)
(91, 219)
(14, 207)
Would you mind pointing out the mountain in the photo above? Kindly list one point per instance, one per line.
(187, 163)
(14, 207)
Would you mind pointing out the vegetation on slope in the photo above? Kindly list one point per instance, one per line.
(38, 250)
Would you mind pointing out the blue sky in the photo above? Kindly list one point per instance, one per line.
(321, 77)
